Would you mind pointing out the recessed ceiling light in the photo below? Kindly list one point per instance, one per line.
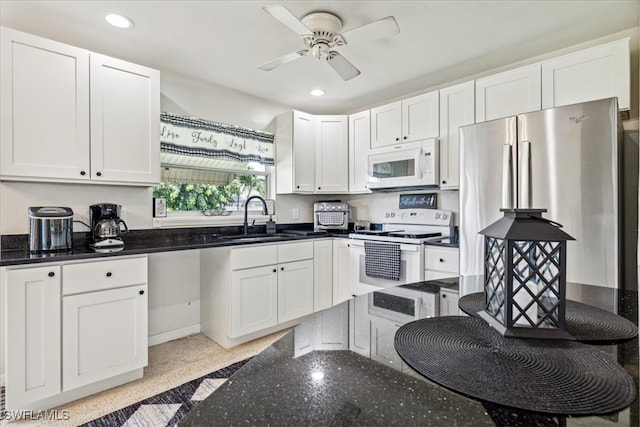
(317, 92)
(118, 20)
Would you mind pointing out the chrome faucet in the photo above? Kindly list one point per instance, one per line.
(246, 205)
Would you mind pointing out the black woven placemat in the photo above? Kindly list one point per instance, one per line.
(468, 356)
(584, 322)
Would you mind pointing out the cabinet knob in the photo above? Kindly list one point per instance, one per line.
(51, 274)
(397, 139)
(108, 274)
(444, 295)
(98, 173)
(141, 292)
(444, 182)
(404, 137)
(281, 268)
(441, 259)
(319, 188)
(274, 270)
(83, 173)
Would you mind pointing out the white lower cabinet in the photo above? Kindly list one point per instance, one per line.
(254, 298)
(341, 270)
(248, 292)
(32, 335)
(322, 274)
(449, 302)
(104, 334)
(441, 262)
(295, 290)
(72, 335)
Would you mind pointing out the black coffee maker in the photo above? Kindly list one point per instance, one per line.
(107, 226)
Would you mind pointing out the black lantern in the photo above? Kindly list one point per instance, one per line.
(525, 275)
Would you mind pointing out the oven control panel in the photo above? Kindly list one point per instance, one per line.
(419, 216)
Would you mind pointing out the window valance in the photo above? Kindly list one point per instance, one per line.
(190, 136)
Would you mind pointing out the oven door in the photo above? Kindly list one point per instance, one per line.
(402, 305)
(411, 268)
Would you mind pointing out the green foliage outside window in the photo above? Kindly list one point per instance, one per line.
(210, 197)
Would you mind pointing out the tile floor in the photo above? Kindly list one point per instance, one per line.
(170, 364)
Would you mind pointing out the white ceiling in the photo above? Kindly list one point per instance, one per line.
(223, 42)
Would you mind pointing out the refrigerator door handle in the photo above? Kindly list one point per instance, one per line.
(507, 177)
(525, 175)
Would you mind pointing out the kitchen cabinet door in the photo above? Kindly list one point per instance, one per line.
(322, 274)
(295, 290)
(341, 270)
(331, 154)
(44, 119)
(360, 326)
(420, 117)
(359, 143)
(456, 109)
(509, 93)
(104, 335)
(303, 152)
(382, 348)
(254, 299)
(125, 121)
(386, 125)
(449, 303)
(32, 336)
(590, 74)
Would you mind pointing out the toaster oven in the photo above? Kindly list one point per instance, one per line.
(330, 216)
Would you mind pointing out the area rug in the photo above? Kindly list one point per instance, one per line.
(169, 407)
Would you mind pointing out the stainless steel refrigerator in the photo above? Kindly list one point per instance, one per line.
(581, 169)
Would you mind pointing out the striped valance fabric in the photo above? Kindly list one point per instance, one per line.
(190, 136)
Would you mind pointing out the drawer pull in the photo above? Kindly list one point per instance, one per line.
(99, 173)
(441, 259)
(51, 274)
(141, 292)
(108, 274)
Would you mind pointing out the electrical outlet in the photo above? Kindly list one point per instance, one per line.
(295, 214)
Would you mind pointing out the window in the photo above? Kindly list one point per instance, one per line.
(209, 170)
(212, 187)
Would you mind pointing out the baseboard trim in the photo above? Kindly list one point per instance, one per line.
(173, 335)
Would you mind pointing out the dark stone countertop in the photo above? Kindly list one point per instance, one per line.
(312, 377)
(15, 248)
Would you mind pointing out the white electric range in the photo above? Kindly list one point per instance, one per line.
(406, 230)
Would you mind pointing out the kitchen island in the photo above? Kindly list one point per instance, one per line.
(320, 374)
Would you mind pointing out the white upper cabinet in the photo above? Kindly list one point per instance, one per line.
(312, 153)
(456, 109)
(386, 125)
(72, 115)
(331, 154)
(411, 119)
(595, 73)
(420, 117)
(125, 127)
(359, 142)
(505, 94)
(45, 108)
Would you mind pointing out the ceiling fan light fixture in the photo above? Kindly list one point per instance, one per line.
(118, 20)
(317, 92)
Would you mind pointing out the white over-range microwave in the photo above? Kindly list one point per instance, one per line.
(415, 164)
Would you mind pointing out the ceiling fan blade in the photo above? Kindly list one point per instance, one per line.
(344, 68)
(283, 15)
(384, 27)
(268, 66)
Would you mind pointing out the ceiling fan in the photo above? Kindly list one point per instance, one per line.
(321, 32)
